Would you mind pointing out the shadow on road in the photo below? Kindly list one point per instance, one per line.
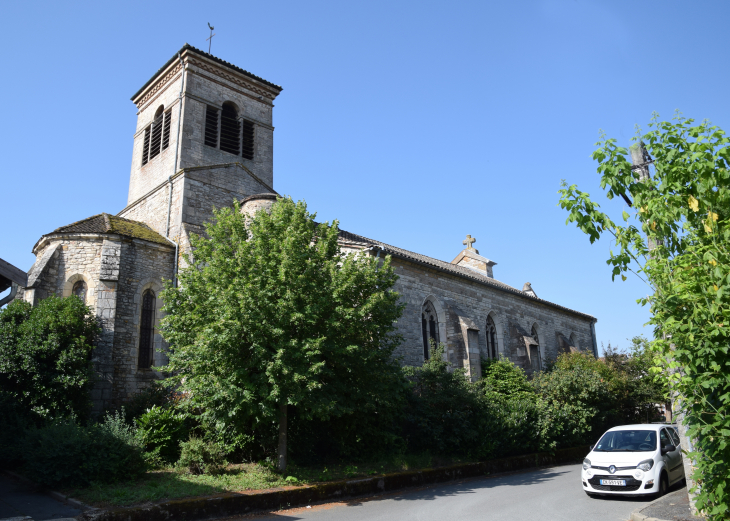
(468, 486)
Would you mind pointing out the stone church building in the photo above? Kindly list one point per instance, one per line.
(204, 137)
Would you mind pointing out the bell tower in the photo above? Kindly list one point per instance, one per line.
(204, 137)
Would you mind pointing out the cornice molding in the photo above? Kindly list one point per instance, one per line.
(155, 87)
(235, 79)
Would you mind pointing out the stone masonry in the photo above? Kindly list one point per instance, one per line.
(173, 195)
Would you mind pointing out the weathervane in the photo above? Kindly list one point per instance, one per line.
(210, 38)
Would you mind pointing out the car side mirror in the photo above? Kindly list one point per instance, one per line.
(668, 448)
(591, 447)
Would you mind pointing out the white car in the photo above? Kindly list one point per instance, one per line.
(634, 459)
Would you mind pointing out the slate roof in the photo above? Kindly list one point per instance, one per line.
(190, 48)
(453, 269)
(107, 223)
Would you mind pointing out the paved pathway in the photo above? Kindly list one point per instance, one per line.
(18, 500)
(544, 495)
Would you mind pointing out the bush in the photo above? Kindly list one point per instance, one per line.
(157, 394)
(162, 430)
(45, 356)
(14, 421)
(502, 379)
(445, 410)
(580, 398)
(199, 456)
(67, 453)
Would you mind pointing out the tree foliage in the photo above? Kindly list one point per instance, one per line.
(45, 356)
(674, 235)
(271, 315)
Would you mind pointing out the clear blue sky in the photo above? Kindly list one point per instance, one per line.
(413, 123)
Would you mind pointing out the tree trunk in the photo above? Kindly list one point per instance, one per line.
(282, 436)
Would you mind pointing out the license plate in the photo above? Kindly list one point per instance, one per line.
(614, 482)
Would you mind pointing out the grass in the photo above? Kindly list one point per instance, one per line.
(169, 484)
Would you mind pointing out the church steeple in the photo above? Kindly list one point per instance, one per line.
(204, 137)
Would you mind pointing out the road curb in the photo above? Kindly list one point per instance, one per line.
(230, 504)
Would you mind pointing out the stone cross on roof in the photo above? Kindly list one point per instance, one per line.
(468, 242)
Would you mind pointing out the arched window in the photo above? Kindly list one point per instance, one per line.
(230, 129)
(491, 338)
(231, 134)
(429, 328)
(146, 330)
(156, 135)
(574, 341)
(79, 290)
(535, 361)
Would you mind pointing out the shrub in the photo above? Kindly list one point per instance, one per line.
(14, 421)
(157, 394)
(199, 456)
(45, 356)
(579, 399)
(65, 452)
(502, 379)
(444, 410)
(162, 430)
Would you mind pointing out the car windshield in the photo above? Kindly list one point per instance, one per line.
(627, 441)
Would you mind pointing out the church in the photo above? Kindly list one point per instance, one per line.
(204, 138)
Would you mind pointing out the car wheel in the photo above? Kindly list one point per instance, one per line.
(663, 486)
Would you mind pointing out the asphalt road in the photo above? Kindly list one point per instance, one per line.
(18, 500)
(546, 494)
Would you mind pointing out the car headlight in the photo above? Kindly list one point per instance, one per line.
(586, 464)
(646, 465)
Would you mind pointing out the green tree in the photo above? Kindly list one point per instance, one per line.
(45, 356)
(674, 236)
(270, 314)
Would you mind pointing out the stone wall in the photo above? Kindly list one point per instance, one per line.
(152, 210)
(463, 305)
(144, 266)
(158, 169)
(205, 89)
(116, 270)
(205, 84)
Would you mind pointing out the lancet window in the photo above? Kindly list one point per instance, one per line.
(429, 328)
(146, 330)
(491, 338)
(156, 135)
(535, 361)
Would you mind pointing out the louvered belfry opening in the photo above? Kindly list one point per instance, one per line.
(146, 146)
(156, 136)
(146, 330)
(166, 130)
(156, 141)
(248, 139)
(230, 130)
(211, 126)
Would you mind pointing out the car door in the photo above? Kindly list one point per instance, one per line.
(677, 443)
(673, 459)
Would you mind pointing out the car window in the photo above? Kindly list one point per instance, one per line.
(627, 441)
(675, 437)
(664, 438)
